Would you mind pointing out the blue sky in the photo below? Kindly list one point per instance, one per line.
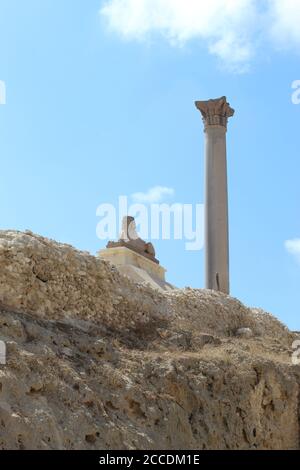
(102, 104)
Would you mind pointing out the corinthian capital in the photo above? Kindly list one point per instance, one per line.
(215, 112)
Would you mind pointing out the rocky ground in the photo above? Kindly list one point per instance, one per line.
(95, 361)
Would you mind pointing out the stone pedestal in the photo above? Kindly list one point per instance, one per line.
(137, 267)
(135, 258)
(215, 115)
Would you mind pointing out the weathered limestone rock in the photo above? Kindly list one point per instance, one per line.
(244, 332)
(95, 361)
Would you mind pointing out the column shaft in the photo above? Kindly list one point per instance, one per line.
(216, 211)
(215, 114)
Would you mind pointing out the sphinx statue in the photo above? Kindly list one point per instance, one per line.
(130, 239)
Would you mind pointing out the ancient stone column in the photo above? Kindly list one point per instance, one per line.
(215, 115)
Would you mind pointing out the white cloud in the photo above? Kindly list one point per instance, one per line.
(231, 29)
(293, 247)
(285, 25)
(154, 195)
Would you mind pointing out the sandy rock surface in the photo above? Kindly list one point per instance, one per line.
(95, 361)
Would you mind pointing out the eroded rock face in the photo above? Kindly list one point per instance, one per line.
(95, 361)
